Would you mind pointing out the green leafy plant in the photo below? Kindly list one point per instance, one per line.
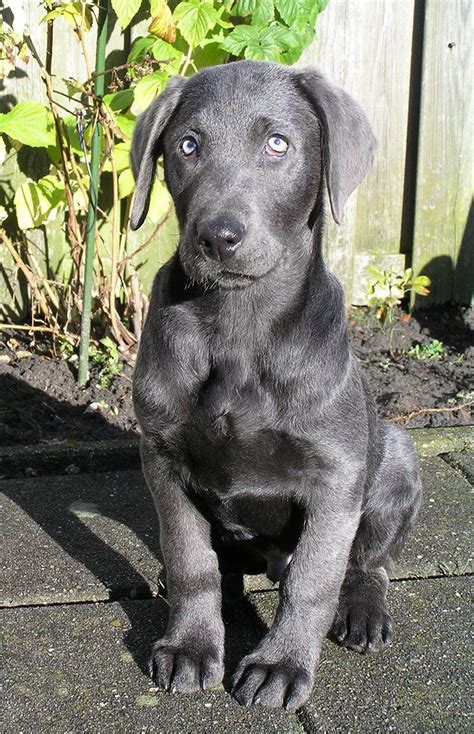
(106, 357)
(387, 289)
(66, 347)
(182, 38)
(433, 350)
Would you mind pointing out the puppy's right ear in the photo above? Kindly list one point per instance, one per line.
(146, 146)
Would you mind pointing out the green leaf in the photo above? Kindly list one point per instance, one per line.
(120, 100)
(77, 15)
(3, 151)
(296, 11)
(263, 50)
(210, 53)
(239, 39)
(283, 36)
(288, 10)
(74, 87)
(245, 7)
(293, 42)
(160, 202)
(140, 49)
(36, 202)
(30, 123)
(148, 88)
(126, 123)
(260, 43)
(374, 270)
(121, 155)
(264, 13)
(163, 51)
(126, 10)
(29, 204)
(195, 19)
(70, 123)
(126, 183)
(422, 280)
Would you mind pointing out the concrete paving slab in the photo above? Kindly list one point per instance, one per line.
(464, 462)
(421, 683)
(435, 441)
(95, 536)
(441, 541)
(79, 538)
(79, 669)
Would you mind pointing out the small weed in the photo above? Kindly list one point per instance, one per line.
(433, 350)
(66, 347)
(386, 290)
(107, 358)
(463, 396)
(454, 568)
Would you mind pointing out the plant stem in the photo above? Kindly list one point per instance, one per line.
(99, 85)
(187, 61)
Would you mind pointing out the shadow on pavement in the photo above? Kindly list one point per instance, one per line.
(130, 506)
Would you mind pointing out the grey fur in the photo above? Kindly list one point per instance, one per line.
(261, 444)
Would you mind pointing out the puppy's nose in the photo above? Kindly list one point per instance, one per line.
(221, 237)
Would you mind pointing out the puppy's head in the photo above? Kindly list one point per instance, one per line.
(246, 148)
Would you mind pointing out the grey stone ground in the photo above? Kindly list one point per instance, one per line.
(78, 617)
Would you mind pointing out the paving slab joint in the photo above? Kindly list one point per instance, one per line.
(453, 460)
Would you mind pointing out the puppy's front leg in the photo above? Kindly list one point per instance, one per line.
(190, 655)
(280, 671)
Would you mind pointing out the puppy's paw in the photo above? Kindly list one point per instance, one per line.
(362, 628)
(187, 667)
(272, 684)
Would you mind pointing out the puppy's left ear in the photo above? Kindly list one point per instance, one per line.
(146, 146)
(347, 138)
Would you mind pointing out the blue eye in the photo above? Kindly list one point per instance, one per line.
(276, 145)
(188, 146)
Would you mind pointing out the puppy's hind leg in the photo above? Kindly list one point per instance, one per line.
(362, 622)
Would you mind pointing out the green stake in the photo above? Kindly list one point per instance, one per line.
(99, 82)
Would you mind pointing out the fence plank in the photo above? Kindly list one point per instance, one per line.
(366, 48)
(444, 228)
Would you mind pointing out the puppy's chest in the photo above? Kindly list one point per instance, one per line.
(238, 436)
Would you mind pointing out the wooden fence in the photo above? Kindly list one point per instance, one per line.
(409, 63)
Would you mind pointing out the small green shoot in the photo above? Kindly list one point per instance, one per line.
(66, 347)
(386, 291)
(107, 358)
(433, 350)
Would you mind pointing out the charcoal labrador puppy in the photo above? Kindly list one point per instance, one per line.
(261, 444)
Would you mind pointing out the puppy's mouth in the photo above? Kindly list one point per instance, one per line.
(232, 277)
(225, 278)
(202, 269)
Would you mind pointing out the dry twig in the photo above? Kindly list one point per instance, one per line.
(406, 417)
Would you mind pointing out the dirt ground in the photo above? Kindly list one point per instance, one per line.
(40, 400)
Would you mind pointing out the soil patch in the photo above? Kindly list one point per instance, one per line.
(40, 400)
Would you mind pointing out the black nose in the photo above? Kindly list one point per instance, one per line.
(221, 237)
